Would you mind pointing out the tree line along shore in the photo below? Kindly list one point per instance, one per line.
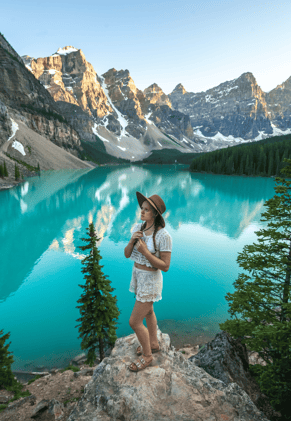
(263, 158)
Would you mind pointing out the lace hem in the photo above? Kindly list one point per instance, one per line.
(146, 285)
(143, 300)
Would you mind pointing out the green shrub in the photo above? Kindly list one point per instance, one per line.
(35, 378)
(274, 382)
(71, 400)
(29, 167)
(70, 367)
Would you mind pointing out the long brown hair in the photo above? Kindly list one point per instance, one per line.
(157, 223)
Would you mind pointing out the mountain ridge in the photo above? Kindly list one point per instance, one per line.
(230, 113)
(63, 98)
(130, 122)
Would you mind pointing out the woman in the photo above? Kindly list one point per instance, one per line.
(150, 247)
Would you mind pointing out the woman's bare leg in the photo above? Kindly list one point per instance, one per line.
(152, 328)
(139, 312)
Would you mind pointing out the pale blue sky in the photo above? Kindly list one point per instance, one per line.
(197, 43)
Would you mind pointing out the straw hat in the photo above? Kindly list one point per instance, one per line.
(155, 201)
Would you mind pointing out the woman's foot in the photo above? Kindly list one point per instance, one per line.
(154, 348)
(141, 363)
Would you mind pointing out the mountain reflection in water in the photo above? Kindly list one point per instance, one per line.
(46, 217)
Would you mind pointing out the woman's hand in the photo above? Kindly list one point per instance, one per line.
(141, 246)
(136, 235)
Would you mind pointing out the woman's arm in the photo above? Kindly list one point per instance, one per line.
(162, 263)
(128, 249)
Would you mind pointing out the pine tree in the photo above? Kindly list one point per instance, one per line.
(7, 379)
(38, 167)
(1, 171)
(17, 173)
(260, 306)
(270, 166)
(247, 167)
(6, 359)
(98, 307)
(5, 170)
(277, 163)
(241, 166)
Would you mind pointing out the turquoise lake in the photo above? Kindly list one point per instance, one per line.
(42, 221)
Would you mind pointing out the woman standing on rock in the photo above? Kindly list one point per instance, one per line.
(150, 247)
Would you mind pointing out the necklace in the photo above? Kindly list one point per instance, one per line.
(148, 227)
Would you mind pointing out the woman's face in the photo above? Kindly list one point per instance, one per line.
(147, 213)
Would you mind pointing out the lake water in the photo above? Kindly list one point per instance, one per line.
(210, 219)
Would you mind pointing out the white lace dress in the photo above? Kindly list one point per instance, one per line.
(148, 285)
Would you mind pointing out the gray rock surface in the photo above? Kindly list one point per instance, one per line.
(22, 92)
(226, 359)
(172, 388)
(4, 399)
(235, 108)
(279, 105)
(40, 407)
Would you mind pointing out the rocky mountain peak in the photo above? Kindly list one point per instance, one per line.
(179, 89)
(123, 93)
(153, 88)
(155, 95)
(279, 106)
(69, 77)
(285, 85)
(113, 76)
(248, 76)
(67, 50)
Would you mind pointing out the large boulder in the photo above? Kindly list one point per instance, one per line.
(227, 359)
(172, 388)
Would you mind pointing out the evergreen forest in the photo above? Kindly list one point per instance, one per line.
(261, 158)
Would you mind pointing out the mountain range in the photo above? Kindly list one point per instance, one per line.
(62, 99)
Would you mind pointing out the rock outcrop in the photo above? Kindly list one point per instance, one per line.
(227, 359)
(173, 388)
(32, 127)
(279, 106)
(155, 95)
(68, 76)
(20, 91)
(234, 109)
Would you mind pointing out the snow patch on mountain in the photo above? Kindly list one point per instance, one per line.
(19, 147)
(261, 135)
(147, 116)
(122, 121)
(227, 90)
(15, 127)
(66, 50)
(279, 132)
(94, 130)
(230, 138)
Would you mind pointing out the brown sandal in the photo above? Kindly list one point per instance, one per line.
(140, 364)
(154, 350)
